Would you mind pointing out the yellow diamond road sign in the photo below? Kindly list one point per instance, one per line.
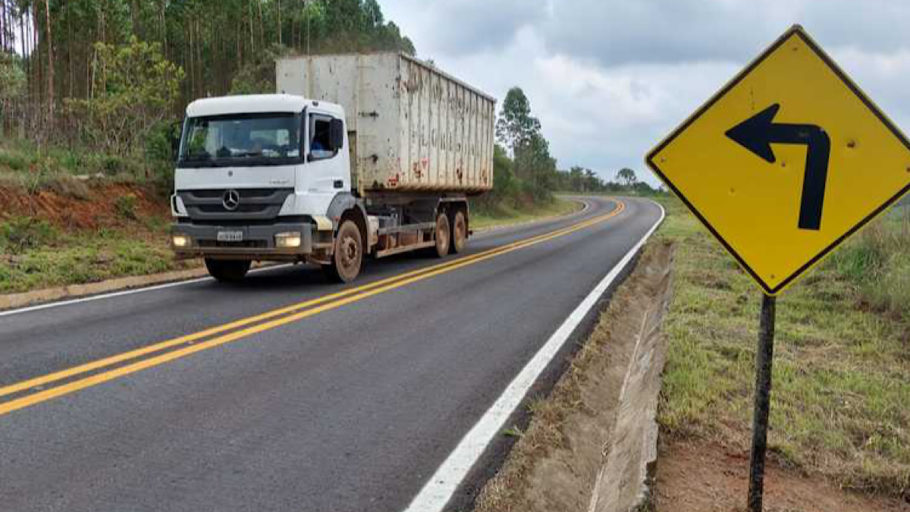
(786, 161)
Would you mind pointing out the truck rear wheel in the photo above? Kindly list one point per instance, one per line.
(227, 271)
(459, 232)
(443, 233)
(348, 256)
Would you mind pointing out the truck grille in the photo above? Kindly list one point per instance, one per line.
(251, 203)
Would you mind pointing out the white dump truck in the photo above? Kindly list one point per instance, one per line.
(356, 155)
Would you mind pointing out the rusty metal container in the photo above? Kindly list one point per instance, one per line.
(412, 127)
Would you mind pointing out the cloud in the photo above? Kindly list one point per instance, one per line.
(608, 118)
(594, 116)
(623, 31)
(609, 78)
(655, 31)
(458, 27)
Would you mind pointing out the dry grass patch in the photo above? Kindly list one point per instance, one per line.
(841, 400)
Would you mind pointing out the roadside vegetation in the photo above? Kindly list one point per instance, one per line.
(842, 355)
(503, 214)
(71, 231)
(525, 175)
(68, 258)
(90, 110)
(90, 113)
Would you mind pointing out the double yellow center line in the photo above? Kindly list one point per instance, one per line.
(248, 326)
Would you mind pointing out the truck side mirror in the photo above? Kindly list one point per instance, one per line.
(336, 134)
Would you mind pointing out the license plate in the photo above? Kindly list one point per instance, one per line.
(230, 236)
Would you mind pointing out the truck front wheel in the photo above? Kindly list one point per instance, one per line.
(227, 271)
(348, 254)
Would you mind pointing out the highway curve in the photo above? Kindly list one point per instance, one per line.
(286, 392)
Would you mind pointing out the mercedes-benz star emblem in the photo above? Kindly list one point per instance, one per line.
(231, 200)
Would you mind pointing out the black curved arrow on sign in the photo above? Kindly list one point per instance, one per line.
(760, 131)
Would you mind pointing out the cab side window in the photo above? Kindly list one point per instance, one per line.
(320, 137)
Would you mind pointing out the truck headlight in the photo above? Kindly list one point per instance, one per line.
(288, 240)
(180, 241)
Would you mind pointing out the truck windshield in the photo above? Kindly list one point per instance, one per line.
(240, 139)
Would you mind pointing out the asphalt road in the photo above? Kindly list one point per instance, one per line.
(348, 404)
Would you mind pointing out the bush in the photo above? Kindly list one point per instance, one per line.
(161, 152)
(20, 233)
(111, 165)
(135, 93)
(126, 206)
(15, 162)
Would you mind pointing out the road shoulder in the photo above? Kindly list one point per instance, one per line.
(593, 430)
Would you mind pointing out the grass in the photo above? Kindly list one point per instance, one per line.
(28, 167)
(503, 214)
(82, 257)
(18, 155)
(73, 233)
(878, 262)
(842, 355)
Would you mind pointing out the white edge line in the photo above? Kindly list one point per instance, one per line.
(119, 293)
(439, 489)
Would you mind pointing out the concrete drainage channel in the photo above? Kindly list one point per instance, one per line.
(591, 444)
(626, 478)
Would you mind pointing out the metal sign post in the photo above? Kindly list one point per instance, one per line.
(762, 405)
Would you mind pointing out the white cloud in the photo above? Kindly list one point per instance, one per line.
(458, 27)
(622, 31)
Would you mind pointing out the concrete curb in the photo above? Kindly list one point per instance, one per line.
(625, 480)
(18, 300)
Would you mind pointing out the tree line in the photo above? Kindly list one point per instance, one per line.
(113, 76)
(584, 180)
(56, 55)
(525, 171)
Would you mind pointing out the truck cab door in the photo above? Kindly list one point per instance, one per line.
(327, 169)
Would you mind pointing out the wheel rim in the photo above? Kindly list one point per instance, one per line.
(348, 255)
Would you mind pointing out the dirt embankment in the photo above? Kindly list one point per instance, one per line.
(586, 444)
(701, 476)
(71, 237)
(83, 206)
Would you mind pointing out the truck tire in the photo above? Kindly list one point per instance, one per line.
(459, 232)
(227, 271)
(348, 254)
(443, 235)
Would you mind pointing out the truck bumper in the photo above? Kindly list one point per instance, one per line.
(257, 242)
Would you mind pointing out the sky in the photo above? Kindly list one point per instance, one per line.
(609, 78)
